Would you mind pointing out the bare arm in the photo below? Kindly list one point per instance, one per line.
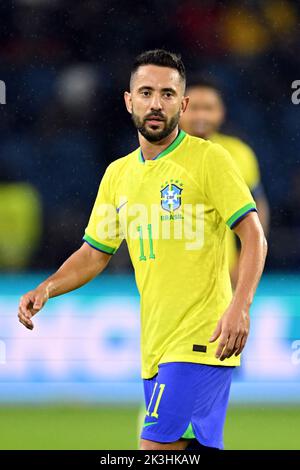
(264, 218)
(264, 213)
(81, 267)
(233, 327)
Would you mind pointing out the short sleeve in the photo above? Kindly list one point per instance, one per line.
(103, 230)
(225, 187)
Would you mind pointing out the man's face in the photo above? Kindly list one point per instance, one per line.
(156, 101)
(204, 114)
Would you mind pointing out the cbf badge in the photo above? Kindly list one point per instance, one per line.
(171, 195)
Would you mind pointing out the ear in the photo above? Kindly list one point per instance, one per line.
(184, 103)
(128, 101)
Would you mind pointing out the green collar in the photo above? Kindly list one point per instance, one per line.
(180, 136)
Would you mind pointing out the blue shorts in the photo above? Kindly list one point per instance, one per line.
(189, 400)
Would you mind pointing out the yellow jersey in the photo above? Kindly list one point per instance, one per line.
(173, 211)
(247, 163)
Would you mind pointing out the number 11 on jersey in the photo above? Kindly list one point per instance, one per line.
(142, 252)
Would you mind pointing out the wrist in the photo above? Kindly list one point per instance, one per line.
(242, 304)
(48, 287)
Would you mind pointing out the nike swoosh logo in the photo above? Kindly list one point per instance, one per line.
(120, 207)
(149, 424)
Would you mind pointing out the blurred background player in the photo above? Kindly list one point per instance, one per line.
(203, 118)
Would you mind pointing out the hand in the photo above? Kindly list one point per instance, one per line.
(233, 330)
(30, 304)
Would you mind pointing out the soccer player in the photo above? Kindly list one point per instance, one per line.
(171, 199)
(203, 118)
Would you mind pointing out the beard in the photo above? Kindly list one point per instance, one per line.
(155, 135)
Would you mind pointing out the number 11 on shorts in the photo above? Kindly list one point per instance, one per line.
(155, 409)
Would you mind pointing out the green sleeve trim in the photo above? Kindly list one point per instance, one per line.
(99, 246)
(240, 213)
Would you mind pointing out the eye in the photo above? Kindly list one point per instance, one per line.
(145, 93)
(168, 94)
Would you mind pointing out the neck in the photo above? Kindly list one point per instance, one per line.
(209, 135)
(151, 149)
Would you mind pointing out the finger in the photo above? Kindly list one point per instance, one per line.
(30, 305)
(24, 305)
(237, 344)
(25, 322)
(243, 343)
(26, 313)
(222, 344)
(234, 348)
(38, 303)
(24, 318)
(229, 347)
(216, 333)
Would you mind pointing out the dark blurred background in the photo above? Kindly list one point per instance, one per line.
(66, 65)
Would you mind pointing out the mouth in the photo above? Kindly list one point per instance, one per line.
(154, 120)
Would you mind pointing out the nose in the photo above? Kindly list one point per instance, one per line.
(156, 102)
